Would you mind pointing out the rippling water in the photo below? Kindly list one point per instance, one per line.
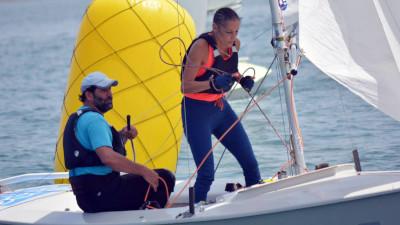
(36, 43)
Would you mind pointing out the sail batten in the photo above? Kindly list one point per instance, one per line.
(357, 44)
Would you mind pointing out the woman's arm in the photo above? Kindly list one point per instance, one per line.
(196, 58)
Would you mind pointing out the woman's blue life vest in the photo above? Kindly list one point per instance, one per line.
(75, 155)
(228, 65)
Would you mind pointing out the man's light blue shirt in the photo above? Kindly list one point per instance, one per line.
(92, 132)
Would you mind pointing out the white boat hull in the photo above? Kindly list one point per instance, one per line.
(335, 195)
(378, 210)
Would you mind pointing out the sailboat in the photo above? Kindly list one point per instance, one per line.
(340, 194)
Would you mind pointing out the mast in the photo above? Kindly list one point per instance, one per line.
(286, 58)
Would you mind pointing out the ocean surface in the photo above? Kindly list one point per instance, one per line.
(36, 42)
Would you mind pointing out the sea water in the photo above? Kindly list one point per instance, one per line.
(36, 42)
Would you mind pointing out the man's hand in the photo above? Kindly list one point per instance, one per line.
(151, 177)
(129, 134)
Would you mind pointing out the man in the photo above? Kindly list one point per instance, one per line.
(94, 153)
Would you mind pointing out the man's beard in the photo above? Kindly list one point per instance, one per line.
(103, 105)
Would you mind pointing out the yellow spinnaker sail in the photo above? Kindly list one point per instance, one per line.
(122, 38)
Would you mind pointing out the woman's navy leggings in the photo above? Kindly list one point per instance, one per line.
(200, 120)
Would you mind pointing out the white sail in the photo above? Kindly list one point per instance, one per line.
(357, 43)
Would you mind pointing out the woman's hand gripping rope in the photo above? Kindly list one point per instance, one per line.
(222, 83)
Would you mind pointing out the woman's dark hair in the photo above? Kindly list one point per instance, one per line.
(82, 97)
(225, 14)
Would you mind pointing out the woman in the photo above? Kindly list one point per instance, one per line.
(210, 69)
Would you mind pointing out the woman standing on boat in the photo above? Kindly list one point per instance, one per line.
(210, 69)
